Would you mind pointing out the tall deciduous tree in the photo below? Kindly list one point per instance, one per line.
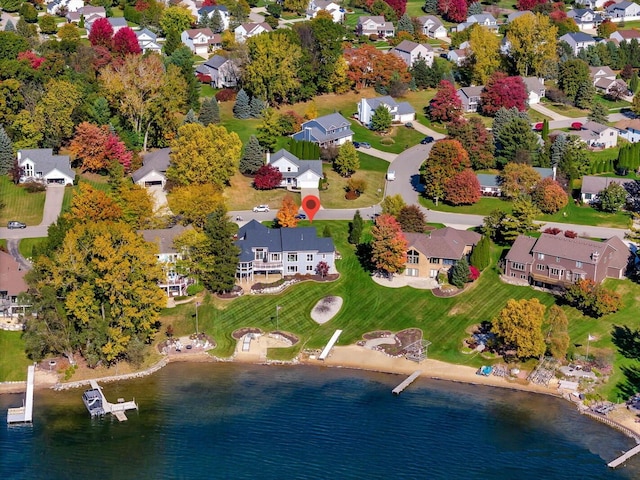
(453, 10)
(177, 18)
(519, 325)
(463, 188)
(572, 75)
(446, 159)
(485, 58)
(549, 196)
(412, 219)
(558, 339)
(503, 91)
(92, 205)
(195, 202)
(446, 106)
(393, 204)
(96, 147)
(476, 140)
(101, 33)
(389, 246)
(517, 179)
(269, 130)
(125, 42)
(286, 216)
(55, 112)
(532, 43)
(369, 66)
(202, 154)
(347, 162)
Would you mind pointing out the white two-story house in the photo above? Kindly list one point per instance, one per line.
(295, 172)
(201, 41)
(41, 165)
(375, 25)
(432, 26)
(578, 41)
(335, 10)
(411, 52)
(401, 112)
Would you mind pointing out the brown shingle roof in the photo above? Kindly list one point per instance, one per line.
(164, 237)
(11, 275)
(520, 251)
(580, 249)
(443, 243)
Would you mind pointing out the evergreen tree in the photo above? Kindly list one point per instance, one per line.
(460, 273)
(6, 152)
(481, 255)
(190, 117)
(599, 113)
(355, 228)
(634, 83)
(216, 24)
(256, 106)
(420, 73)
(253, 157)
(405, 24)
(585, 94)
(475, 8)
(99, 111)
(430, 6)
(203, 20)
(172, 42)
(326, 231)
(242, 109)
(9, 27)
(545, 130)
(222, 254)
(381, 119)
(209, 112)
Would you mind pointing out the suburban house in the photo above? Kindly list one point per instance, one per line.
(89, 13)
(210, 10)
(173, 283)
(629, 129)
(596, 135)
(332, 129)
(592, 4)
(585, 18)
(148, 41)
(558, 261)
(484, 19)
(535, 89)
(401, 112)
(457, 56)
(153, 170)
(117, 23)
(41, 165)
(623, 11)
(592, 185)
(201, 41)
(219, 72)
(335, 10)
(512, 16)
(578, 41)
(411, 52)
(295, 172)
(284, 251)
(375, 25)
(490, 184)
(432, 26)
(470, 98)
(429, 254)
(12, 284)
(248, 30)
(625, 35)
(70, 5)
(604, 79)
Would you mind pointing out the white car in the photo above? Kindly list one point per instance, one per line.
(261, 208)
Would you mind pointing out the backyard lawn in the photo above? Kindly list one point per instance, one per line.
(19, 204)
(13, 361)
(26, 245)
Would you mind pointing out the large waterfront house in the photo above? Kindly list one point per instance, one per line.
(401, 112)
(154, 169)
(429, 254)
(556, 260)
(282, 251)
(173, 282)
(592, 185)
(12, 284)
(295, 172)
(41, 165)
(326, 131)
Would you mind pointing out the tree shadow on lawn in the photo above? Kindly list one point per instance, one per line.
(363, 254)
(416, 183)
(631, 386)
(627, 341)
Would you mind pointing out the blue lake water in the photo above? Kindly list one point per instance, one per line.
(230, 421)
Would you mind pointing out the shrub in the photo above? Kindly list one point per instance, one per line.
(194, 289)
(226, 95)
(592, 299)
(552, 230)
(570, 234)
(474, 273)
(267, 178)
(33, 187)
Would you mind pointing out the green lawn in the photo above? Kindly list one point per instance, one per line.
(566, 110)
(484, 207)
(26, 245)
(206, 90)
(13, 361)
(613, 106)
(20, 205)
(333, 197)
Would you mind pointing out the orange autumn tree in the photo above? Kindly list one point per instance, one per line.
(369, 66)
(446, 159)
(92, 205)
(389, 245)
(96, 147)
(286, 216)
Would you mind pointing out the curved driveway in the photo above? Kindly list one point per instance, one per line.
(52, 208)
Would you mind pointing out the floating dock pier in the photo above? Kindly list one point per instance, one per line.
(624, 457)
(97, 404)
(24, 414)
(406, 382)
(332, 342)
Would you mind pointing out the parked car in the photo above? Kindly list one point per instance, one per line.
(15, 224)
(425, 140)
(408, 125)
(356, 144)
(301, 216)
(365, 145)
(261, 208)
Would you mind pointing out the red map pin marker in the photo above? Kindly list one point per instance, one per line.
(310, 205)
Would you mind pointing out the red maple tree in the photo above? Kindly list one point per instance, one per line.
(267, 177)
(125, 42)
(529, 4)
(101, 33)
(503, 91)
(97, 147)
(116, 150)
(446, 106)
(34, 60)
(398, 6)
(463, 188)
(101, 57)
(549, 196)
(453, 10)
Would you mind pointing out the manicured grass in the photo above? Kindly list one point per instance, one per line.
(13, 361)
(398, 139)
(566, 110)
(206, 90)
(351, 19)
(242, 196)
(609, 153)
(244, 128)
(484, 207)
(414, 8)
(614, 106)
(3, 244)
(19, 204)
(333, 197)
(26, 245)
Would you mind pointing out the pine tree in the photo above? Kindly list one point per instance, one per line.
(634, 83)
(172, 43)
(9, 27)
(6, 152)
(430, 6)
(190, 117)
(460, 273)
(99, 111)
(599, 113)
(256, 106)
(481, 255)
(545, 130)
(355, 228)
(216, 24)
(326, 231)
(253, 157)
(222, 254)
(242, 109)
(209, 112)
(475, 8)
(405, 24)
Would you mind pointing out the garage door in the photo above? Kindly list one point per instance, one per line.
(155, 183)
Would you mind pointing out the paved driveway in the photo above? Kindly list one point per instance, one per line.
(52, 208)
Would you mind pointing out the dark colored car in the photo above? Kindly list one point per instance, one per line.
(408, 125)
(301, 216)
(15, 224)
(426, 140)
(356, 144)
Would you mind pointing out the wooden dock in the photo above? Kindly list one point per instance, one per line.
(24, 414)
(406, 382)
(332, 342)
(116, 409)
(624, 457)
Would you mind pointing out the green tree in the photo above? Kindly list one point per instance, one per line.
(55, 112)
(253, 157)
(585, 95)
(599, 113)
(176, 18)
(347, 162)
(412, 219)
(184, 60)
(571, 75)
(481, 254)
(388, 246)
(516, 139)
(48, 24)
(202, 154)
(6, 152)
(558, 339)
(216, 24)
(447, 157)
(519, 326)
(355, 228)
(575, 161)
(521, 219)
(460, 273)
(172, 42)
(392, 205)
(269, 130)
(242, 108)
(99, 111)
(29, 13)
(11, 6)
(405, 24)
(220, 253)
(381, 119)
(612, 197)
(634, 83)
(210, 111)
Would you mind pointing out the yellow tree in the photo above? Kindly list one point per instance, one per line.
(177, 18)
(195, 202)
(136, 204)
(202, 155)
(532, 44)
(92, 205)
(389, 245)
(54, 113)
(519, 325)
(286, 216)
(518, 179)
(485, 59)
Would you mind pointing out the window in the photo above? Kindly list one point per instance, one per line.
(276, 257)
(292, 269)
(411, 272)
(541, 256)
(260, 254)
(434, 260)
(292, 257)
(557, 259)
(413, 257)
(541, 267)
(309, 257)
(448, 261)
(555, 271)
(517, 266)
(578, 264)
(309, 268)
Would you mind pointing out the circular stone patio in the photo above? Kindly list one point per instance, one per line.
(326, 309)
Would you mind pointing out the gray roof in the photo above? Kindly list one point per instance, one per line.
(471, 91)
(443, 243)
(379, 19)
(210, 8)
(331, 121)
(327, 124)
(147, 32)
(158, 161)
(214, 63)
(512, 16)
(164, 237)
(409, 46)
(577, 37)
(593, 185)
(533, 84)
(118, 22)
(303, 165)
(403, 107)
(520, 251)
(45, 161)
(300, 239)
